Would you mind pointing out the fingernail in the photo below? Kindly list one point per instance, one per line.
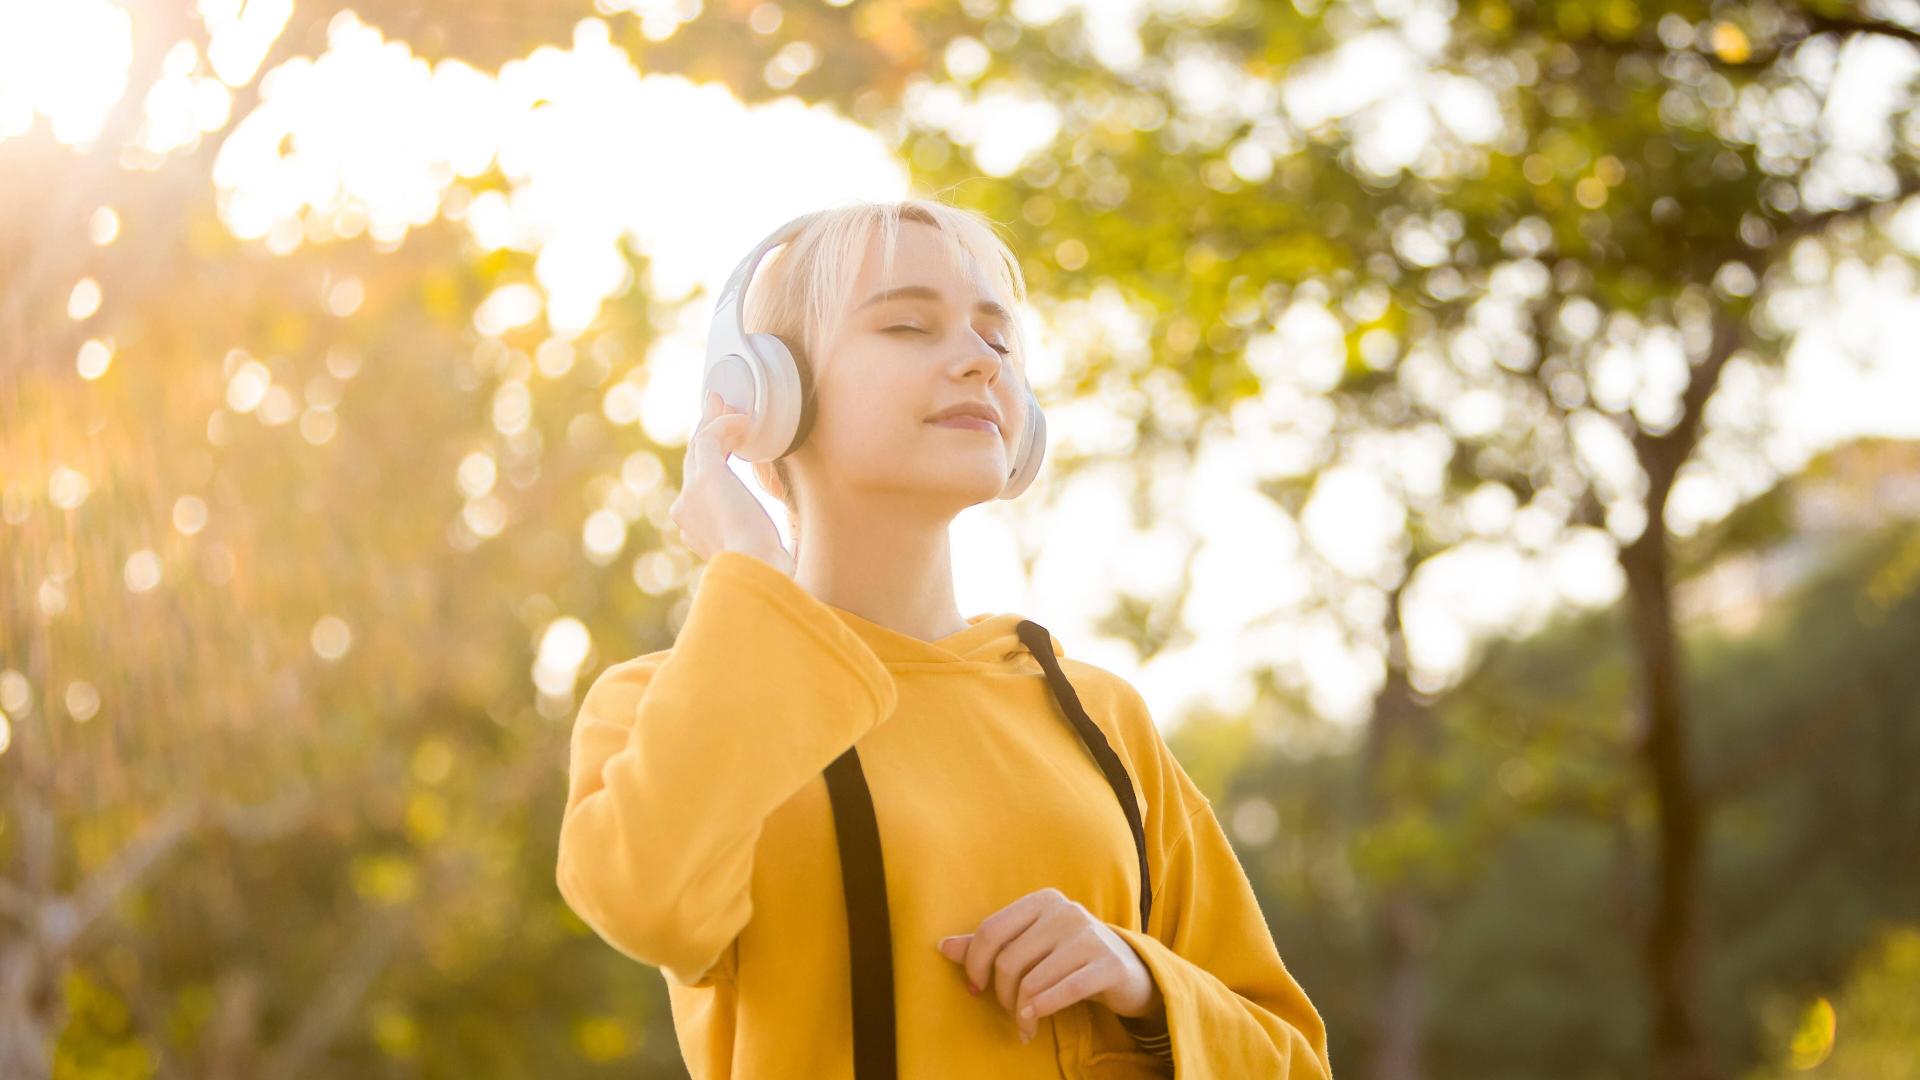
(1026, 1037)
(972, 989)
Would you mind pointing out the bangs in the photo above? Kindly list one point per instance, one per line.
(803, 288)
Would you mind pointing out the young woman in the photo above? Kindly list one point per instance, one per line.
(699, 835)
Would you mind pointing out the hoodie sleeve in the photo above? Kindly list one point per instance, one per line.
(677, 758)
(1232, 1008)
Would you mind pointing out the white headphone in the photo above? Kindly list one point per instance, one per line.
(756, 374)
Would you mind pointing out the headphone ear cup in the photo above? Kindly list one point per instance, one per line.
(776, 398)
(803, 373)
(1033, 448)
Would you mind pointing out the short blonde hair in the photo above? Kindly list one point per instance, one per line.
(801, 290)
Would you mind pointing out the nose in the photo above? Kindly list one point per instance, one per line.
(982, 356)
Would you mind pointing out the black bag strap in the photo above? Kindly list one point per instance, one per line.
(869, 929)
(1038, 643)
(863, 875)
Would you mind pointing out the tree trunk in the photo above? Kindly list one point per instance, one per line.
(1672, 948)
(1402, 1017)
(1400, 738)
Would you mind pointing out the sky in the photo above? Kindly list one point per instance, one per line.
(384, 139)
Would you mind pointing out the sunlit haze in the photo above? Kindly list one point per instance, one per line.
(369, 138)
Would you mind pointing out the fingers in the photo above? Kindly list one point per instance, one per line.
(1037, 959)
(714, 408)
(709, 408)
(720, 429)
(1017, 957)
(1007, 967)
(1029, 948)
(714, 437)
(1053, 934)
(1060, 980)
(998, 929)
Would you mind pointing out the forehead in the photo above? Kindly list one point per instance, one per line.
(921, 256)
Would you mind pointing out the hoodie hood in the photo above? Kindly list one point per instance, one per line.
(989, 639)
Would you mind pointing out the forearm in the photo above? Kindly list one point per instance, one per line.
(675, 764)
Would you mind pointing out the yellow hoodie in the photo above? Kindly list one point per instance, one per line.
(698, 838)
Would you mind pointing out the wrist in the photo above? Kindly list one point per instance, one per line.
(1151, 1033)
(1149, 1003)
(1152, 1016)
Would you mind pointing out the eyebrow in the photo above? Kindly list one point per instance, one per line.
(926, 292)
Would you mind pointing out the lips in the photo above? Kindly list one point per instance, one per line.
(975, 409)
(968, 422)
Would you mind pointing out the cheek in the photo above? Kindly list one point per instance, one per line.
(873, 424)
(1014, 408)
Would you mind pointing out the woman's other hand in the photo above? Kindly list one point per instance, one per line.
(1044, 952)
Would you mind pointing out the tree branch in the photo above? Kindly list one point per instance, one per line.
(340, 994)
(16, 903)
(63, 921)
(1845, 25)
(1815, 224)
(1661, 455)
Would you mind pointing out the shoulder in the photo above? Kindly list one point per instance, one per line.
(633, 667)
(1122, 711)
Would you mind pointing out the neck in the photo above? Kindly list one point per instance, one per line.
(889, 567)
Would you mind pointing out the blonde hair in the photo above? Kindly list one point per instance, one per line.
(801, 290)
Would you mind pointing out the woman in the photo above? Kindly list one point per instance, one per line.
(699, 836)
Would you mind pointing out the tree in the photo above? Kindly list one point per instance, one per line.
(1653, 175)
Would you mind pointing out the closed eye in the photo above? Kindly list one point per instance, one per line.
(917, 330)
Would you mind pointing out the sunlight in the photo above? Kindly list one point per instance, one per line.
(65, 60)
(600, 161)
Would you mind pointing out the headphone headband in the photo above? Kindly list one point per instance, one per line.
(728, 332)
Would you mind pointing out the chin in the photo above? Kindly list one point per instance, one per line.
(964, 480)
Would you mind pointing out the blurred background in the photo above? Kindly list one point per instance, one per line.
(1487, 431)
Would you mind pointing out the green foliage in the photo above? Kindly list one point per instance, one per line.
(99, 1041)
(1870, 1029)
(1531, 861)
(367, 888)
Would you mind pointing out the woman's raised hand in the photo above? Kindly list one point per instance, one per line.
(714, 511)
